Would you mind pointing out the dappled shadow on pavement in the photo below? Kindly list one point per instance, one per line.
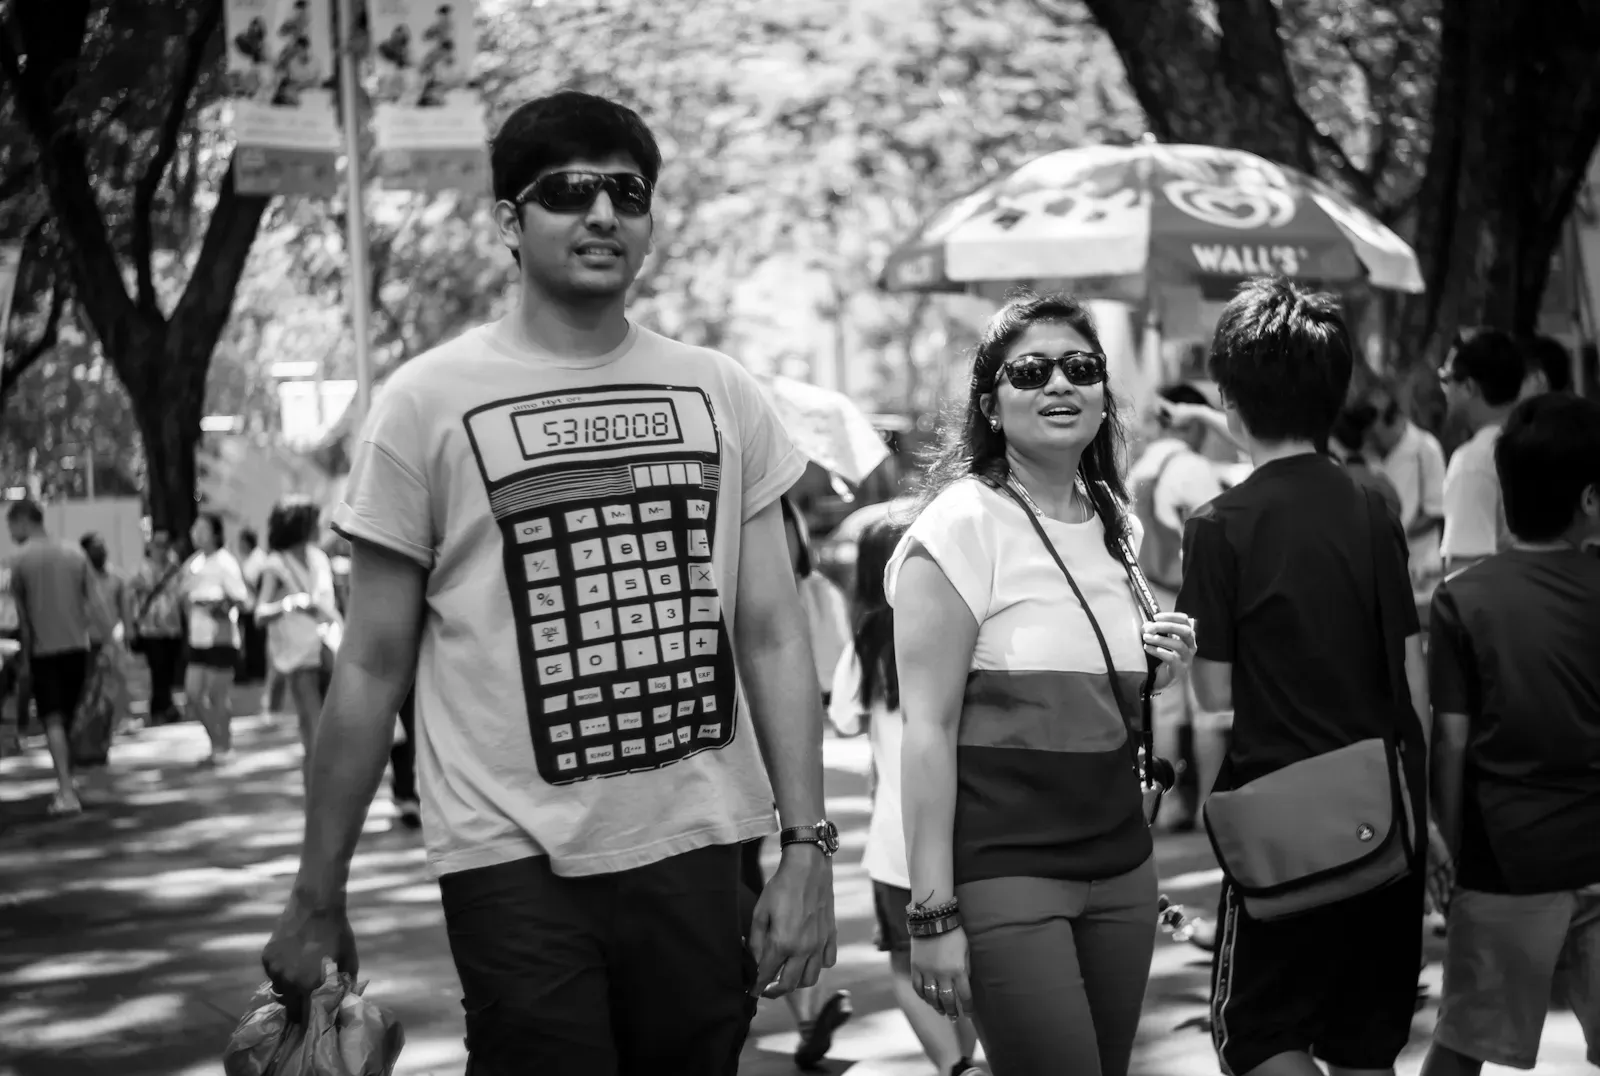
(130, 937)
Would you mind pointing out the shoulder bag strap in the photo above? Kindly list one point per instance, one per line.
(1146, 737)
(155, 592)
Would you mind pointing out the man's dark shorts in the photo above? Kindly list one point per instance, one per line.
(58, 681)
(642, 971)
(1339, 982)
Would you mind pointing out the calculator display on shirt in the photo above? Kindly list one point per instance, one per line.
(606, 501)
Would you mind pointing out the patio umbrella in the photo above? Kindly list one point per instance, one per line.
(827, 427)
(1107, 220)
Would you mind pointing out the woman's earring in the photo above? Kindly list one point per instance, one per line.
(994, 424)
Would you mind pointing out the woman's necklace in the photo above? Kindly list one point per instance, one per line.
(1078, 497)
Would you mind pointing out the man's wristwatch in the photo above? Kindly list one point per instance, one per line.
(825, 835)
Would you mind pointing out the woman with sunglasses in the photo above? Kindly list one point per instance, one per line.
(1034, 899)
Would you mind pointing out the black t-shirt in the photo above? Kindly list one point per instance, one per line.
(1281, 575)
(1515, 645)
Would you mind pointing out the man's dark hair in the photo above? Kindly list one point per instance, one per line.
(1493, 360)
(562, 127)
(1182, 392)
(219, 533)
(1548, 453)
(27, 509)
(1350, 429)
(1550, 357)
(293, 522)
(1384, 397)
(249, 537)
(1282, 356)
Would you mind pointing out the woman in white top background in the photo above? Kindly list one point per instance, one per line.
(866, 697)
(297, 602)
(213, 593)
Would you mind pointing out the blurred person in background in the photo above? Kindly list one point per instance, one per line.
(1412, 460)
(827, 613)
(104, 706)
(1548, 367)
(158, 623)
(213, 596)
(403, 765)
(866, 697)
(297, 600)
(57, 604)
(1482, 378)
(1346, 442)
(1171, 480)
(817, 1014)
(1516, 778)
(253, 657)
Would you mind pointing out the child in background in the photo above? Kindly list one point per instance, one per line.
(1516, 781)
(866, 692)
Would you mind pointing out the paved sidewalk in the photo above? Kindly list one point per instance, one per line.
(129, 937)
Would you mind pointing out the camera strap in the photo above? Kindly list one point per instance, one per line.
(1147, 604)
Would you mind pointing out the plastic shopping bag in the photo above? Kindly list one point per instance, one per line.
(343, 1034)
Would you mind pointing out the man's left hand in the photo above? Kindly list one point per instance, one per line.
(792, 935)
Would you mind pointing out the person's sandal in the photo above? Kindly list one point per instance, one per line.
(817, 1040)
(60, 808)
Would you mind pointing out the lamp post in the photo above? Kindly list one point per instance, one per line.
(355, 217)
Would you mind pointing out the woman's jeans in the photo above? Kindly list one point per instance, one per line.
(1059, 970)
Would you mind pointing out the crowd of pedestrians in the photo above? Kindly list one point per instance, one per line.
(583, 628)
(586, 764)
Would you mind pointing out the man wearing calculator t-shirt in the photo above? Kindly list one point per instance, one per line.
(570, 527)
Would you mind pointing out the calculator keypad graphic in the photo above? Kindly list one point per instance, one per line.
(606, 501)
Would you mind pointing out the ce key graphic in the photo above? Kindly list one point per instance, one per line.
(607, 503)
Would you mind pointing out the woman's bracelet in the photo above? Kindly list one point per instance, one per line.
(932, 928)
(922, 913)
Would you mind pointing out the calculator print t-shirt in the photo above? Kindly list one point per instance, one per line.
(580, 519)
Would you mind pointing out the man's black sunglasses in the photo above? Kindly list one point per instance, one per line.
(1033, 371)
(575, 192)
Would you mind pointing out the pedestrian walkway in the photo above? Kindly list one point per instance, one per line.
(130, 937)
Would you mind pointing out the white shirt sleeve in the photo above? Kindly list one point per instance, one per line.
(1430, 461)
(957, 532)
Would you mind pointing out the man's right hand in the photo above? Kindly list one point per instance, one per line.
(304, 937)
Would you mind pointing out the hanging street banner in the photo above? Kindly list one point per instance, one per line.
(281, 96)
(10, 266)
(428, 122)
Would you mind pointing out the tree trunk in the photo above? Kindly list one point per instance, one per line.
(166, 387)
(1516, 118)
(170, 437)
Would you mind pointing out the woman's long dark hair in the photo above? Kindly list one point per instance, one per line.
(969, 446)
(880, 677)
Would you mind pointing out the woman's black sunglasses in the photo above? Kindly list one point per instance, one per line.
(1033, 371)
(575, 192)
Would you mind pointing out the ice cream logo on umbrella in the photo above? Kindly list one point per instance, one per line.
(1244, 208)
